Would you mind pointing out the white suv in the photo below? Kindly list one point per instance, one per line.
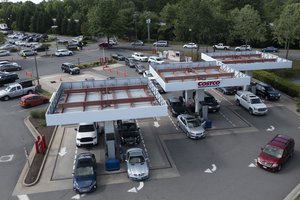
(156, 60)
(140, 57)
(87, 134)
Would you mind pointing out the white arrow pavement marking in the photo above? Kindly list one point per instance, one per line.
(132, 190)
(272, 128)
(62, 151)
(156, 124)
(77, 196)
(208, 171)
(253, 164)
(214, 167)
(140, 186)
(6, 158)
(23, 197)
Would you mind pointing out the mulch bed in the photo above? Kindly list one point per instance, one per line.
(36, 164)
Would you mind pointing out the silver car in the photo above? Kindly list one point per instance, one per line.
(137, 164)
(191, 126)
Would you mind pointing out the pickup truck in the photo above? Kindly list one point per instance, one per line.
(17, 89)
(129, 132)
(251, 102)
(221, 46)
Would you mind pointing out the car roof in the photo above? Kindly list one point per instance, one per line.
(68, 63)
(174, 99)
(280, 141)
(135, 151)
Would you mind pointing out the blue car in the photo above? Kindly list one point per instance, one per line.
(270, 49)
(85, 173)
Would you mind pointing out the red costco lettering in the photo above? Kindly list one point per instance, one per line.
(208, 83)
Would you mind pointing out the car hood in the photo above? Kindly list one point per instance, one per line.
(268, 158)
(137, 168)
(179, 109)
(259, 105)
(85, 181)
(2, 92)
(86, 134)
(197, 130)
(274, 93)
(75, 68)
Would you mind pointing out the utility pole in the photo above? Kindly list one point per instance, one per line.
(148, 21)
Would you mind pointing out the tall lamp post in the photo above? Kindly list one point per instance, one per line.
(190, 30)
(36, 70)
(148, 21)
(55, 27)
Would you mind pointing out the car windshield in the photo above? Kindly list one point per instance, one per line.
(136, 159)
(159, 59)
(273, 151)
(193, 123)
(270, 89)
(177, 104)
(72, 66)
(86, 128)
(84, 171)
(255, 101)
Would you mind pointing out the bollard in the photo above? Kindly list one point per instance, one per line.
(44, 141)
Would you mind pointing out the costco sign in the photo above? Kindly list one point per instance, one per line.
(209, 83)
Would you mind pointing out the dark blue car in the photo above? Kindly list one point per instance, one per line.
(270, 49)
(85, 175)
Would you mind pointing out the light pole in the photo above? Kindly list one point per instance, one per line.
(148, 21)
(37, 71)
(55, 27)
(190, 30)
(135, 18)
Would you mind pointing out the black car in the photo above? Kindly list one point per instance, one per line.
(176, 106)
(267, 91)
(40, 47)
(117, 56)
(85, 173)
(211, 102)
(230, 90)
(6, 77)
(130, 62)
(158, 86)
(270, 49)
(140, 68)
(70, 68)
(129, 132)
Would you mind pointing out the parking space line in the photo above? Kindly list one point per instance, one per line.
(227, 119)
(173, 122)
(143, 142)
(23, 197)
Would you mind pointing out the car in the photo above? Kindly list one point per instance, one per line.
(158, 86)
(148, 75)
(27, 52)
(6, 77)
(176, 106)
(129, 132)
(8, 47)
(118, 56)
(230, 90)
(191, 126)
(70, 68)
(276, 153)
(137, 43)
(161, 43)
(130, 62)
(266, 91)
(155, 60)
(85, 173)
(4, 53)
(87, 134)
(140, 68)
(139, 57)
(73, 46)
(270, 49)
(190, 45)
(137, 164)
(63, 52)
(9, 67)
(243, 48)
(113, 42)
(40, 47)
(62, 41)
(212, 103)
(32, 100)
(104, 45)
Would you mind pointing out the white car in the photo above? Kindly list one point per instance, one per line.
(63, 52)
(156, 60)
(148, 75)
(139, 56)
(243, 48)
(4, 53)
(190, 46)
(87, 134)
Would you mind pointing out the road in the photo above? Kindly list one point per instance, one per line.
(232, 154)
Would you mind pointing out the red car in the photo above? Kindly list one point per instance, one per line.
(104, 45)
(31, 100)
(276, 153)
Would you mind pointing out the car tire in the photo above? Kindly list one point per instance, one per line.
(250, 111)
(5, 98)
(237, 102)
(279, 168)
(63, 70)
(71, 72)
(30, 92)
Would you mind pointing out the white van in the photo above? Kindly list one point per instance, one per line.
(87, 134)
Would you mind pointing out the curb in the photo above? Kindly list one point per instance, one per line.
(35, 133)
(293, 194)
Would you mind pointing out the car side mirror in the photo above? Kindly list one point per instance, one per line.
(126, 160)
(138, 128)
(75, 129)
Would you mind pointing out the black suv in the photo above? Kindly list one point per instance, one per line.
(70, 68)
(176, 106)
(267, 91)
(211, 102)
(85, 173)
(6, 77)
(129, 132)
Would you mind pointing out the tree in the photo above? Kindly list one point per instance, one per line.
(2, 38)
(287, 27)
(247, 25)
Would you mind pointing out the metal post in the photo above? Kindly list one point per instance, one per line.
(148, 21)
(37, 71)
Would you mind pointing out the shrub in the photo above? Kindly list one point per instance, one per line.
(38, 114)
(14, 50)
(281, 84)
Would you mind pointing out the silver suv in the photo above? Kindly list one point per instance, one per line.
(87, 134)
(161, 43)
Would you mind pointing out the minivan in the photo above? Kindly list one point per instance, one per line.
(161, 43)
(276, 153)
